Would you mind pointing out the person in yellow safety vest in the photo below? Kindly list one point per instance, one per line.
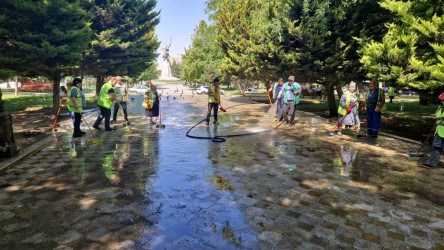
(351, 119)
(77, 106)
(274, 90)
(391, 93)
(213, 100)
(438, 140)
(106, 98)
(375, 105)
(151, 103)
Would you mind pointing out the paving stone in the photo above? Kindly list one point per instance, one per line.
(6, 215)
(36, 239)
(68, 237)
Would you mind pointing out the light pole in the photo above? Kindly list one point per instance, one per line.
(7, 143)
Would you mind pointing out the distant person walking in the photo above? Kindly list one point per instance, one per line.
(123, 97)
(391, 93)
(274, 91)
(106, 98)
(151, 103)
(351, 119)
(290, 93)
(375, 105)
(213, 100)
(438, 140)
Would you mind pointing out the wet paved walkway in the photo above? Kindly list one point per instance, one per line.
(154, 189)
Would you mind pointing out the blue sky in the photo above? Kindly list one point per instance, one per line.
(178, 18)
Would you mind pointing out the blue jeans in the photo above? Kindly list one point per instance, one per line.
(373, 121)
(116, 109)
(104, 113)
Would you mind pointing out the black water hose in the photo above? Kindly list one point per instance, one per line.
(221, 138)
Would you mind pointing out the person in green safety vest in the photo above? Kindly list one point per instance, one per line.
(290, 93)
(213, 100)
(151, 103)
(438, 140)
(391, 93)
(274, 90)
(107, 96)
(76, 106)
(351, 119)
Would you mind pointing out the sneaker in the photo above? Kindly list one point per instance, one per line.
(96, 127)
(207, 123)
(76, 135)
(83, 133)
(216, 123)
(339, 133)
(129, 123)
(113, 121)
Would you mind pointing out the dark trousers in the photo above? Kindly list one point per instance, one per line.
(391, 99)
(279, 108)
(373, 121)
(104, 113)
(77, 119)
(289, 111)
(116, 109)
(213, 106)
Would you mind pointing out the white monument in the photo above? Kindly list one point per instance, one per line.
(165, 68)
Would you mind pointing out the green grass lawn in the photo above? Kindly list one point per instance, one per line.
(19, 103)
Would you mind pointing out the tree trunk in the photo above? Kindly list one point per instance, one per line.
(16, 86)
(331, 100)
(339, 90)
(56, 93)
(99, 83)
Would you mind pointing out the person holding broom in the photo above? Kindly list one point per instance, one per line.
(107, 96)
(438, 139)
(213, 100)
(351, 119)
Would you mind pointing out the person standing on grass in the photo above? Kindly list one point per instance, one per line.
(391, 93)
(213, 100)
(438, 139)
(107, 96)
(351, 118)
(123, 95)
(290, 94)
(375, 105)
(151, 103)
(274, 91)
(76, 106)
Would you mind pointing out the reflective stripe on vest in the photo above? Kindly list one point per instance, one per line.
(211, 96)
(440, 128)
(150, 99)
(78, 99)
(104, 98)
